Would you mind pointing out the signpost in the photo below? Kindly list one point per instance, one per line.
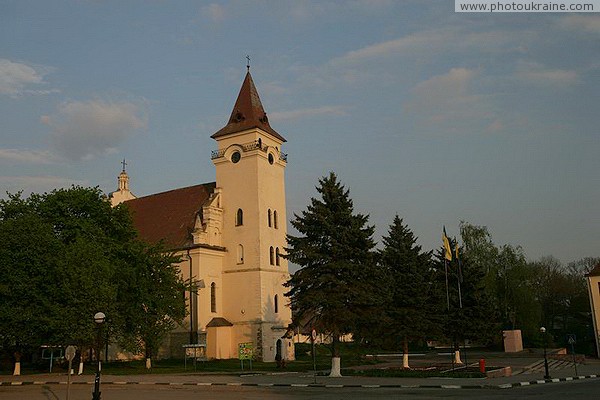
(572, 339)
(245, 352)
(313, 338)
(69, 355)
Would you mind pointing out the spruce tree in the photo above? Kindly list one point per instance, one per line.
(410, 313)
(338, 283)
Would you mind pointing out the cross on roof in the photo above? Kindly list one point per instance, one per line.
(124, 164)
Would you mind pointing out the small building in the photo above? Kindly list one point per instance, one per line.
(230, 235)
(593, 280)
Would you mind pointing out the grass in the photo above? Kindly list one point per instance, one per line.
(352, 355)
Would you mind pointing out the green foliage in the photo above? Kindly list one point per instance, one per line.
(529, 295)
(470, 309)
(339, 283)
(410, 312)
(66, 255)
(151, 298)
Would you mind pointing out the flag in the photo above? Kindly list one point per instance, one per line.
(447, 249)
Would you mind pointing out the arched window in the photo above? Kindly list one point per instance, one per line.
(275, 219)
(271, 256)
(239, 218)
(277, 256)
(269, 213)
(240, 254)
(276, 304)
(213, 297)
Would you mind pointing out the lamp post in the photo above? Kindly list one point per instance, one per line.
(99, 319)
(545, 340)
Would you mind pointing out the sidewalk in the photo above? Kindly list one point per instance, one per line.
(590, 370)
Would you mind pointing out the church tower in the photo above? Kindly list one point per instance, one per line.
(122, 193)
(250, 172)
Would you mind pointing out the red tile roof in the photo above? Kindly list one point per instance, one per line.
(169, 216)
(248, 113)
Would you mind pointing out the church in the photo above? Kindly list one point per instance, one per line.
(229, 235)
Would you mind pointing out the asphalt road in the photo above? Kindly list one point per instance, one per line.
(585, 389)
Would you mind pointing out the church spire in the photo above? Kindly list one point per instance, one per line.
(122, 193)
(248, 112)
(123, 178)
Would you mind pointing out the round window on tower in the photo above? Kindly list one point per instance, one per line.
(271, 158)
(235, 157)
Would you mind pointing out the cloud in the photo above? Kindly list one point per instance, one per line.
(307, 112)
(36, 184)
(445, 103)
(27, 156)
(380, 62)
(84, 130)
(419, 41)
(432, 43)
(215, 12)
(17, 78)
(538, 74)
(578, 22)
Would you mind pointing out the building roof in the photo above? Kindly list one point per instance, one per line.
(169, 216)
(217, 322)
(248, 113)
(595, 271)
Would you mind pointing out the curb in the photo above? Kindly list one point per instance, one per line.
(542, 381)
(308, 385)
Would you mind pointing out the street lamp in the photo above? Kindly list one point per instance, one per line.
(99, 319)
(544, 339)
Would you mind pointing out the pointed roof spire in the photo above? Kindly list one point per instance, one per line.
(248, 112)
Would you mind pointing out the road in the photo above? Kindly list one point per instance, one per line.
(576, 390)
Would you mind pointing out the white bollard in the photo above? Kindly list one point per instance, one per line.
(335, 368)
(17, 370)
(457, 357)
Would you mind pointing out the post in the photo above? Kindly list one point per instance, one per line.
(544, 338)
(313, 337)
(99, 319)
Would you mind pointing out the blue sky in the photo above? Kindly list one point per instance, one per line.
(422, 112)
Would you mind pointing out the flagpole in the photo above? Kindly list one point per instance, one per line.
(447, 292)
(447, 257)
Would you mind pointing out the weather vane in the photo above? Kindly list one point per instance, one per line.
(248, 62)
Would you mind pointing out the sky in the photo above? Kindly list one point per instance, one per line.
(436, 116)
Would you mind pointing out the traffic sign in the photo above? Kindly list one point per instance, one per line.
(70, 353)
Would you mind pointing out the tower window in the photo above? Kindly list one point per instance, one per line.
(239, 218)
(271, 256)
(277, 256)
(240, 254)
(213, 297)
(271, 159)
(275, 219)
(269, 214)
(235, 157)
(276, 303)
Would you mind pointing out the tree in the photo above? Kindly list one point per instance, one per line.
(562, 295)
(151, 299)
(411, 311)
(338, 283)
(477, 318)
(63, 257)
